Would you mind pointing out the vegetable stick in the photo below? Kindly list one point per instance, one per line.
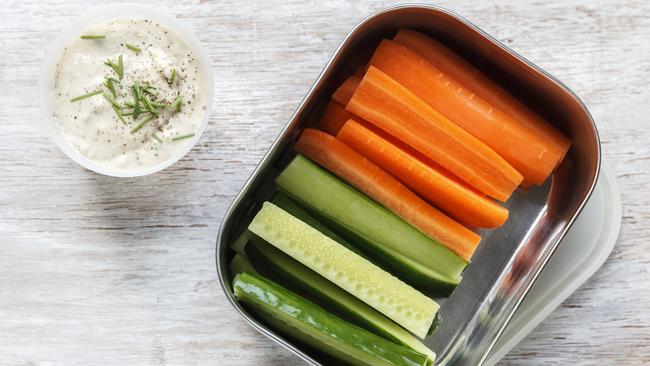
(370, 179)
(425, 178)
(360, 71)
(523, 148)
(462, 71)
(344, 92)
(390, 106)
(333, 118)
(473, 101)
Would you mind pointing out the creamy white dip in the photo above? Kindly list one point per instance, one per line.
(92, 125)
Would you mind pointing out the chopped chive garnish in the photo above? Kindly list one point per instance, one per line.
(136, 91)
(117, 67)
(87, 95)
(147, 104)
(146, 86)
(158, 138)
(111, 100)
(136, 110)
(132, 47)
(93, 36)
(178, 102)
(111, 87)
(119, 114)
(172, 78)
(141, 124)
(148, 91)
(120, 64)
(181, 137)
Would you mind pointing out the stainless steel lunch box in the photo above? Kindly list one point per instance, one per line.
(510, 258)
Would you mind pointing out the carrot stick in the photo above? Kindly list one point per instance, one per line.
(367, 177)
(333, 118)
(470, 77)
(456, 67)
(429, 181)
(394, 109)
(523, 148)
(360, 71)
(344, 92)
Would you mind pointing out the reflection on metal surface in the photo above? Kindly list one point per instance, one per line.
(583, 250)
(509, 258)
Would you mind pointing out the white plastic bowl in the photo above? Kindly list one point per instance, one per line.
(72, 32)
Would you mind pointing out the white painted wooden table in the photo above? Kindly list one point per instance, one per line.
(97, 270)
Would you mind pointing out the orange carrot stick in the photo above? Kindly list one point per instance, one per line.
(344, 92)
(429, 181)
(360, 71)
(467, 75)
(367, 177)
(394, 109)
(333, 118)
(523, 148)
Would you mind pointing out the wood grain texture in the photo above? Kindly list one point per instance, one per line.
(97, 270)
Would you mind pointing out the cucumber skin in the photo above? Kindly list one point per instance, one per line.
(289, 205)
(238, 245)
(316, 327)
(239, 264)
(303, 281)
(355, 274)
(301, 287)
(436, 324)
(283, 201)
(392, 262)
(429, 280)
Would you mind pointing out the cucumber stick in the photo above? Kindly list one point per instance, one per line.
(239, 244)
(391, 241)
(239, 264)
(284, 202)
(311, 324)
(276, 265)
(353, 273)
